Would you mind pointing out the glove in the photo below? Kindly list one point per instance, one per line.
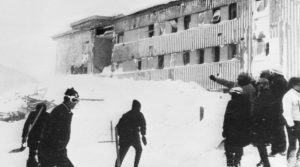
(144, 140)
(23, 140)
(212, 77)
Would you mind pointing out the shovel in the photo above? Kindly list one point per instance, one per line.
(22, 148)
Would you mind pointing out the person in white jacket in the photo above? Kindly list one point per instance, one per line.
(291, 113)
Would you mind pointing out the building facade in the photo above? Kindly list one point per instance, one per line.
(189, 40)
(87, 48)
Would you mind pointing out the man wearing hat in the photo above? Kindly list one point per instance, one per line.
(56, 134)
(278, 87)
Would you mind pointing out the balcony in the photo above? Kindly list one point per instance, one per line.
(199, 37)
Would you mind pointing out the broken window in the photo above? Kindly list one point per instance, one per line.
(200, 53)
(160, 64)
(120, 37)
(186, 57)
(217, 54)
(187, 21)
(151, 30)
(216, 16)
(139, 64)
(101, 30)
(232, 11)
(232, 51)
(174, 25)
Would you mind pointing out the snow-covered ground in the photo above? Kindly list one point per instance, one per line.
(176, 136)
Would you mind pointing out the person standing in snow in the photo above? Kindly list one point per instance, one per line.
(291, 113)
(243, 81)
(129, 128)
(32, 132)
(56, 134)
(278, 87)
(261, 120)
(236, 126)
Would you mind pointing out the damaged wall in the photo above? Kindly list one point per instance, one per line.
(102, 53)
(74, 49)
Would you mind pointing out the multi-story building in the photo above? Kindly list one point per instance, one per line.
(87, 48)
(191, 39)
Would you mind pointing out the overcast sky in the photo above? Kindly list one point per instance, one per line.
(27, 26)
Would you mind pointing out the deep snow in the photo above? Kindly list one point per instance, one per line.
(176, 136)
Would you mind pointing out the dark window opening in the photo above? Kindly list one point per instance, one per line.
(78, 69)
(232, 11)
(217, 54)
(174, 25)
(160, 62)
(232, 51)
(200, 56)
(186, 58)
(267, 50)
(150, 30)
(216, 16)
(139, 64)
(101, 31)
(120, 37)
(187, 21)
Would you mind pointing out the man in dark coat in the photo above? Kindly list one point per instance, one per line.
(56, 134)
(262, 120)
(129, 126)
(243, 81)
(236, 126)
(32, 132)
(278, 87)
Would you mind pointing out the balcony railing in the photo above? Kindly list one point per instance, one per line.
(198, 37)
(195, 73)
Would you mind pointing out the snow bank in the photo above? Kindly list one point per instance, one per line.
(176, 136)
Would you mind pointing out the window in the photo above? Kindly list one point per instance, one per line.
(186, 58)
(232, 51)
(267, 50)
(174, 25)
(217, 54)
(200, 53)
(120, 37)
(139, 64)
(160, 62)
(232, 11)
(187, 21)
(101, 31)
(216, 16)
(151, 30)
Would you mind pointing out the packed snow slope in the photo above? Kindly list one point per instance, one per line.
(176, 136)
(11, 79)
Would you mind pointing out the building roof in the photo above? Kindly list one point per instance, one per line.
(92, 21)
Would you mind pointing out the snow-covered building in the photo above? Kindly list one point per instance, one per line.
(189, 40)
(86, 48)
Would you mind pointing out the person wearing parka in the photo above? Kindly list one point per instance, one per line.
(32, 132)
(56, 134)
(262, 118)
(278, 87)
(129, 128)
(236, 126)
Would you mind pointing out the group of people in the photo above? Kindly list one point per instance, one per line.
(47, 134)
(258, 113)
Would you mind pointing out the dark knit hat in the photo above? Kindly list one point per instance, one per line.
(71, 92)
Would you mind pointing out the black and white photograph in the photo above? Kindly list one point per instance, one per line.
(150, 83)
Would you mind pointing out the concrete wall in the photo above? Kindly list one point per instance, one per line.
(74, 49)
